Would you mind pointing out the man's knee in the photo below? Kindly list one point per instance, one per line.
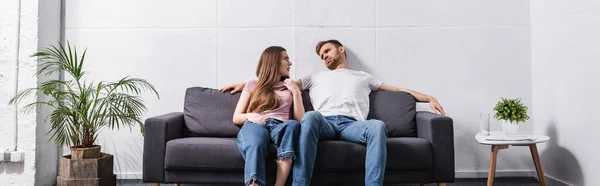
(311, 115)
(311, 120)
(377, 128)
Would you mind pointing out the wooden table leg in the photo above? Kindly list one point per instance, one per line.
(493, 157)
(537, 162)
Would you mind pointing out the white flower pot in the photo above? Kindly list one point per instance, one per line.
(509, 127)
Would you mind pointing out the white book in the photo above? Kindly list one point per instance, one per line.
(511, 138)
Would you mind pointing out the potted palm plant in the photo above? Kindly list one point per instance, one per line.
(510, 112)
(81, 110)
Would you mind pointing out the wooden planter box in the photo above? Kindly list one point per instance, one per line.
(86, 172)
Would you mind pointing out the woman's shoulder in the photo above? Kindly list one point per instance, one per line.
(250, 85)
(253, 81)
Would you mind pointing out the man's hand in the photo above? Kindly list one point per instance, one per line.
(435, 106)
(236, 87)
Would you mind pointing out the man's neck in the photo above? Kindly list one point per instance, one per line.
(343, 65)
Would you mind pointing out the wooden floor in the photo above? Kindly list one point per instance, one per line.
(527, 181)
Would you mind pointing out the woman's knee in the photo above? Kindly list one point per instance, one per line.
(256, 144)
(253, 136)
(293, 125)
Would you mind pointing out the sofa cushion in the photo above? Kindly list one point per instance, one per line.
(209, 112)
(222, 154)
(402, 154)
(396, 109)
(208, 154)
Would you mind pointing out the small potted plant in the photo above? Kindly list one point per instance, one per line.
(510, 112)
(81, 109)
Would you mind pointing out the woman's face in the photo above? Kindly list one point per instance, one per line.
(284, 68)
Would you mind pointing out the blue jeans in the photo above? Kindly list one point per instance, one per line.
(314, 127)
(253, 141)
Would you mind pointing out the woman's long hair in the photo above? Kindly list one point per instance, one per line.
(263, 96)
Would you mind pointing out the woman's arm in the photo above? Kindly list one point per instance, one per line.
(296, 98)
(239, 116)
(298, 106)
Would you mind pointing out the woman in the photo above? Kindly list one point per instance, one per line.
(263, 110)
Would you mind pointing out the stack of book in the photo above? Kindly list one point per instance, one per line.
(511, 138)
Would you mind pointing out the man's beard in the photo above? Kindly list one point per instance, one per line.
(335, 62)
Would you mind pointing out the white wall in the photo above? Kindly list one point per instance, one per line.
(38, 26)
(467, 53)
(8, 49)
(565, 62)
(17, 173)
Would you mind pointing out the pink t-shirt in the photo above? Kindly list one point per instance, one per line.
(285, 101)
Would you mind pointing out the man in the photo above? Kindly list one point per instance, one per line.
(340, 98)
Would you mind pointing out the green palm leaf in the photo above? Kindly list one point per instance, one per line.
(82, 109)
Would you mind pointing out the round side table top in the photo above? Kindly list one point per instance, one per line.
(498, 138)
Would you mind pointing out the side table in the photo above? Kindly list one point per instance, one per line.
(499, 145)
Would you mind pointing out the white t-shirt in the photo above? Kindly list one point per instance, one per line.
(341, 92)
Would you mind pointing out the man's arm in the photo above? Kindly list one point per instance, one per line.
(238, 87)
(433, 103)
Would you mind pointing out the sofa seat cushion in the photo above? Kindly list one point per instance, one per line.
(222, 154)
(207, 154)
(402, 154)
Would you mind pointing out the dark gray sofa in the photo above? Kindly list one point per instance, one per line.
(198, 145)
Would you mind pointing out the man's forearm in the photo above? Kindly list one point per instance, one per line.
(419, 96)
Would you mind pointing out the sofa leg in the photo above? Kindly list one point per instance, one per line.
(423, 184)
(155, 184)
(441, 184)
(177, 184)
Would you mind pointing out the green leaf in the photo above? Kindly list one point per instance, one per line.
(82, 109)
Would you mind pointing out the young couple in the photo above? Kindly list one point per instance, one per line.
(340, 98)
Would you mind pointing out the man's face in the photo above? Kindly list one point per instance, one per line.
(330, 55)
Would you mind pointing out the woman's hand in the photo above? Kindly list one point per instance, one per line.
(256, 118)
(292, 86)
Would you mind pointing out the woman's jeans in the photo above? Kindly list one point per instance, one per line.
(253, 141)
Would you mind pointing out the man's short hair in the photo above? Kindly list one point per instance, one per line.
(336, 43)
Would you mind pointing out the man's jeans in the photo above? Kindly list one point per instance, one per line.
(314, 127)
(253, 141)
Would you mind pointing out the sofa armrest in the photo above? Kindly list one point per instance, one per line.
(439, 131)
(158, 131)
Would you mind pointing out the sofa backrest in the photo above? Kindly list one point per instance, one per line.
(396, 109)
(209, 112)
